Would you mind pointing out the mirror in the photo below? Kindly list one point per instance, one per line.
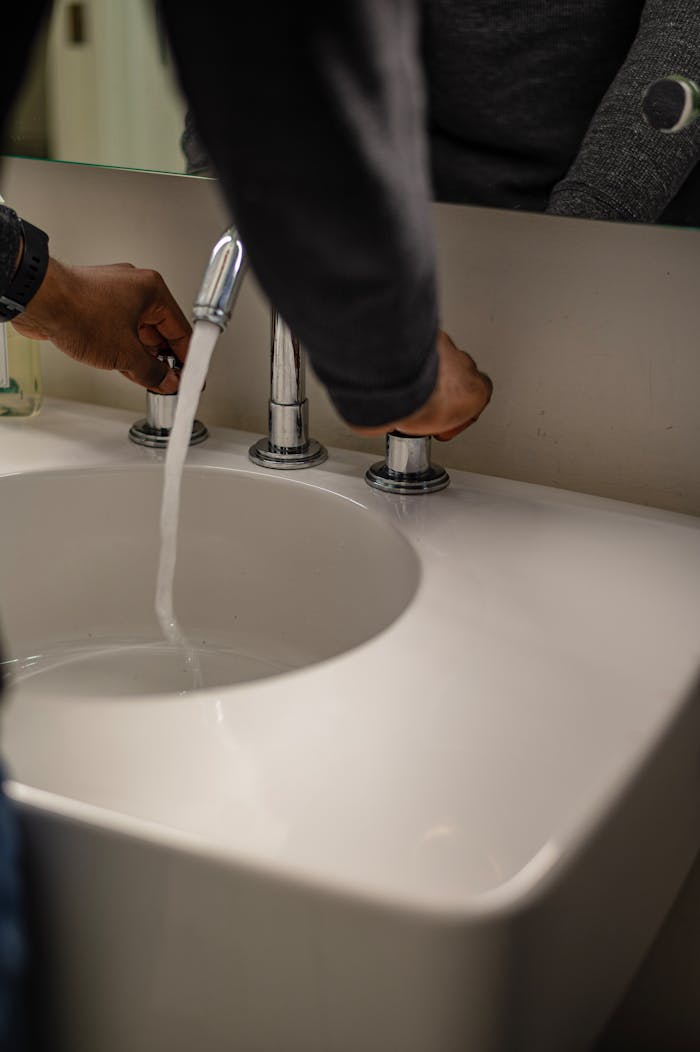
(101, 90)
(536, 111)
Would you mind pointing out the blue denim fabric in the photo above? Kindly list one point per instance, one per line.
(13, 945)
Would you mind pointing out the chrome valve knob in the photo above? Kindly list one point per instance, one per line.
(407, 468)
(154, 429)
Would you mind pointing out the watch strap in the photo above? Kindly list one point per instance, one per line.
(29, 274)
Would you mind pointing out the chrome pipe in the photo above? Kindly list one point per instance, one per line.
(287, 445)
(287, 365)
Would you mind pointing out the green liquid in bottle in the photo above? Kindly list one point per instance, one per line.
(20, 374)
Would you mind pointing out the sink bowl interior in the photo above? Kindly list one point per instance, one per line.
(272, 575)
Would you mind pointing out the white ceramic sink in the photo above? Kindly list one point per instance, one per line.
(448, 747)
(271, 577)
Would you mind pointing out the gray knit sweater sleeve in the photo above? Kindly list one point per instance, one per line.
(624, 169)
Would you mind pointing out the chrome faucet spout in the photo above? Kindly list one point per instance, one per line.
(222, 280)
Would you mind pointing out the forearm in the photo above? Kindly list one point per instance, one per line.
(317, 135)
(626, 170)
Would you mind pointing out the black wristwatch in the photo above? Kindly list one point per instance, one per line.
(30, 272)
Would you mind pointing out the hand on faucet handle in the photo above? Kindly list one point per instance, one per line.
(460, 396)
(111, 317)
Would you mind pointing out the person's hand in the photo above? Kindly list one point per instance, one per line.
(461, 394)
(111, 317)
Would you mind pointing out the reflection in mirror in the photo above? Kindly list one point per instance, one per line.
(538, 107)
(534, 107)
(101, 90)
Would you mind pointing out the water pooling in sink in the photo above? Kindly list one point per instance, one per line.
(273, 574)
(130, 667)
(204, 337)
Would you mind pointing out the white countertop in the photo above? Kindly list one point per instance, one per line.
(451, 763)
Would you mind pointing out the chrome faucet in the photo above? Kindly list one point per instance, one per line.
(215, 301)
(287, 445)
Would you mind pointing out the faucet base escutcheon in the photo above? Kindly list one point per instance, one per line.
(144, 433)
(266, 455)
(406, 468)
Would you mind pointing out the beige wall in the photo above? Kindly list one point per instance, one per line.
(589, 330)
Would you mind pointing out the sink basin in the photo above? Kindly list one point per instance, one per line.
(445, 747)
(271, 576)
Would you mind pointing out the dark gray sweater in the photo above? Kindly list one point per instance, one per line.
(314, 115)
(536, 105)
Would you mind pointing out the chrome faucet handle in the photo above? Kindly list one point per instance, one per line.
(154, 429)
(287, 445)
(407, 468)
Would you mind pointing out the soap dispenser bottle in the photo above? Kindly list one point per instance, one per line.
(20, 373)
